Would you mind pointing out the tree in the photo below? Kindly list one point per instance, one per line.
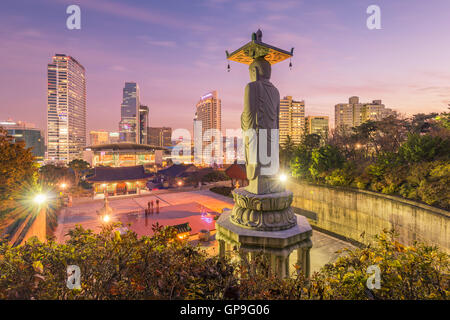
(286, 152)
(17, 166)
(51, 174)
(324, 159)
(424, 148)
(79, 168)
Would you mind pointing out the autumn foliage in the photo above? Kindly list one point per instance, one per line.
(123, 266)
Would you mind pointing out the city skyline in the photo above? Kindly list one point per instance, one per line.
(335, 58)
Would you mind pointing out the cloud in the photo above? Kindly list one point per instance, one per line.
(139, 14)
(159, 43)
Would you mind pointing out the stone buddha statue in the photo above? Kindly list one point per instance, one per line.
(259, 123)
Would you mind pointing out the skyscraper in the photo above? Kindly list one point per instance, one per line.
(161, 137)
(354, 113)
(292, 119)
(208, 111)
(129, 113)
(66, 109)
(143, 124)
(209, 114)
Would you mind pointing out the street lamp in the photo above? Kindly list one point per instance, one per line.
(283, 177)
(63, 185)
(40, 198)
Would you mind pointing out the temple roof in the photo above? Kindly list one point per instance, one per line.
(106, 174)
(236, 171)
(178, 170)
(124, 146)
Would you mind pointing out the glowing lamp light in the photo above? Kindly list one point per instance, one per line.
(106, 218)
(63, 185)
(40, 198)
(283, 177)
(180, 183)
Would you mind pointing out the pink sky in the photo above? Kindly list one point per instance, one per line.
(175, 51)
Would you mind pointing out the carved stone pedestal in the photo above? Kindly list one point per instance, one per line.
(265, 223)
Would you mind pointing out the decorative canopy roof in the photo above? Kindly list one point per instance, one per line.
(108, 174)
(256, 48)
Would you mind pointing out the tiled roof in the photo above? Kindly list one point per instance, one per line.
(236, 171)
(177, 170)
(118, 174)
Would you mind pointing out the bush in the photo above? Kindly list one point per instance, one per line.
(225, 191)
(215, 176)
(115, 266)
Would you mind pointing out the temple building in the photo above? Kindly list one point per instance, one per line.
(114, 181)
(123, 155)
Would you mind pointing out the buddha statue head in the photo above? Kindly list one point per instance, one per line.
(260, 69)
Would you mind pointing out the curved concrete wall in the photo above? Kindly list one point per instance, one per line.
(351, 212)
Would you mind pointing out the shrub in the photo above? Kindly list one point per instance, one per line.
(115, 266)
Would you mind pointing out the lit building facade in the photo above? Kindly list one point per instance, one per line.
(142, 136)
(121, 155)
(292, 120)
(354, 113)
(318, 125)
(129, 113)
(160, 137)
(28, 133)
(66, 109)
(98, 137)
(209, 115)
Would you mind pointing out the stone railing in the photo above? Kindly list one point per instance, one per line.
(351, 213)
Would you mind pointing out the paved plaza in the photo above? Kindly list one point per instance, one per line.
(196, 207)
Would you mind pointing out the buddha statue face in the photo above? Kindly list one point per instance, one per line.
(260, 69)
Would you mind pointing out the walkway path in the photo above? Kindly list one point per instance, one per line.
(177, 207)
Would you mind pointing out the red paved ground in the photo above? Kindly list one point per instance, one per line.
(171, 215)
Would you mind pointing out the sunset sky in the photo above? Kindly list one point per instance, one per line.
(175, 51)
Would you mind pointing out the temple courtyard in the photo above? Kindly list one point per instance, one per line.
(198, 208)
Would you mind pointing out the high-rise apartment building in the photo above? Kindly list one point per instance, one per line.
(160, 137)
(292, 119)
(66, 109)
(129, 113)
(354, 113)
(317, 125)
(28, 133)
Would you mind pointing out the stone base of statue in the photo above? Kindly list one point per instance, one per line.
(265, 223)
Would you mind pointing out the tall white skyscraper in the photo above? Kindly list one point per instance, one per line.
(66, 109)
